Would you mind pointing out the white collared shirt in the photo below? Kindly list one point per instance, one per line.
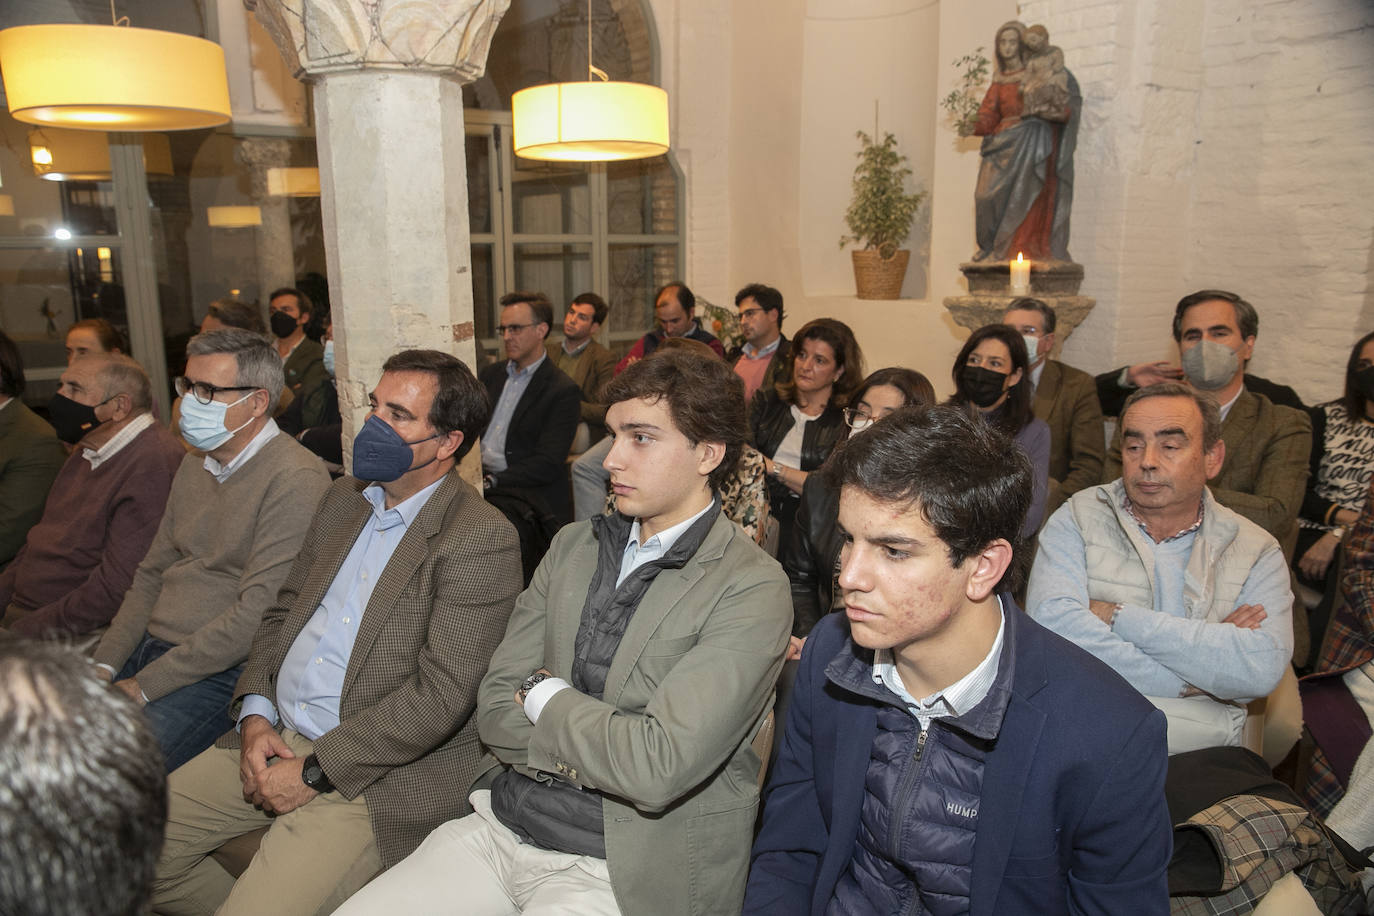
(98, 456)
(1226, 408)
(954, 700)
(223, 472)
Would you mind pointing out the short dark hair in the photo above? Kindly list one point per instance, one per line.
(1354, 399)
(916, 389)
(1017, 410)
(235, 313)
(108, 335)
(258, 365)
(303, 303)
(540, 306)
(1030, 303)
(1247, 319)
(11, 367)
(1206, 405)
(599, 307)
(685, 297)
(768, 298)
(461, 402)
(971, 483)
(847, 353)
(83, 788)
(705, 398)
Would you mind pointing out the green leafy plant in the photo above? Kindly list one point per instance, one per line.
(722, 322)
(880, 213)
(962, 103)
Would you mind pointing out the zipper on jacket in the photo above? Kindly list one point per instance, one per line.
(904, 789)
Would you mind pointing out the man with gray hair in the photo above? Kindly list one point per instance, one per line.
(103, 509)
(235, 519)
(1186, 599)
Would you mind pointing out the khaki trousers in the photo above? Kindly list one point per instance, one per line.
(311, 860)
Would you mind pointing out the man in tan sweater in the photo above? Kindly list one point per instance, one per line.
(238, 511)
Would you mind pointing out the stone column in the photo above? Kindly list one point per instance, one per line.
(276, 252)
(387, 80)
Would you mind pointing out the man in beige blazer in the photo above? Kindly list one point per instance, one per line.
(620, 707)
(355, 732)
(1066, 399)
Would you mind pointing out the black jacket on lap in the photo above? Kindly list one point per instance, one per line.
(809, 556)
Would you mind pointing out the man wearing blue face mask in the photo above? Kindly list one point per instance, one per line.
(235, 518)
(356, 733)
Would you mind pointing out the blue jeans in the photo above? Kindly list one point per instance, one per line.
(188, 720)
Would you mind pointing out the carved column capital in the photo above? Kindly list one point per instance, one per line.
(444, 37)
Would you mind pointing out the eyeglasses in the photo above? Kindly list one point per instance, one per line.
(750, 313)
(204, 392)
(503, 329)
(853, 416)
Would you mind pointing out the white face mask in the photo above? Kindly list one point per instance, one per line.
(202, 425)
(1032, 345)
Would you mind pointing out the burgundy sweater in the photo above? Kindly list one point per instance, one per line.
(73, 571)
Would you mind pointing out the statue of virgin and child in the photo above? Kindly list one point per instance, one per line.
(1029, 125)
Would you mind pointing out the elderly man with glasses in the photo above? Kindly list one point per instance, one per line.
(236, 516)
(535, 410)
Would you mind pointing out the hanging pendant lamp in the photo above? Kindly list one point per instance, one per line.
(113, 77)
(599, 120)
(84, 155)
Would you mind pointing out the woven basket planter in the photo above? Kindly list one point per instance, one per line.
(877, 277)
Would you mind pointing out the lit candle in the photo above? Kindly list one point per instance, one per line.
(1020, 276)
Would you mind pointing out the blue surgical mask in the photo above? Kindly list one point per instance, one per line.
(329, 356)
(202, 425)
(381, 455)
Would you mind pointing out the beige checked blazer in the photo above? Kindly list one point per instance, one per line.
(407, 739)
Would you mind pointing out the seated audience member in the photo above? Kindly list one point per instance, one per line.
(620, 706)
(93, 336)
(302, 358)
(1267, 446)
(674, 316)
(30, 456)
(990, 377)
(812, 555)
(764, 357)
(355, 728)
(233, 313)
(1066, 399)
(104, 507)
(584, 360)
(82, 799)
(534, 413)
(1186, 599)
(1340, 469)
(326, 437)
(234, 521)
(943, 752)
(797, 422)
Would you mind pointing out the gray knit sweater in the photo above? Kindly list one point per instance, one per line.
(215, 564)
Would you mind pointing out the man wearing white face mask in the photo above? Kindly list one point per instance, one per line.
(1267, 445)
(235, 519)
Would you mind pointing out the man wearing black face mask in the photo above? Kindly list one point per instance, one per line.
(302, 358)
(104, 507)
(355, 732)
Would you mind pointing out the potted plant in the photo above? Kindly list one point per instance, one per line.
(879, 217)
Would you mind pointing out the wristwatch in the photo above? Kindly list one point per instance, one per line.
(530, 682)
(312, 774)
(1338, 533)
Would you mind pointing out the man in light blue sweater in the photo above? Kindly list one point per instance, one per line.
(1187, 600)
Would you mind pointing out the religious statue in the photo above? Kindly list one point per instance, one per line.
(1029, 125)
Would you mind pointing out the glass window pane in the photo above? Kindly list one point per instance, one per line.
(483, 290)
(636, 272)
(479, 183)
(40, 207)
(641, 197)
(551, 199)
(558, 271)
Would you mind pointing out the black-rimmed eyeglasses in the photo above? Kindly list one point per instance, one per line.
(204, 392)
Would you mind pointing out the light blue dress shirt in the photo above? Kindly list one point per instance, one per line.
(312, 674)
(494, 439)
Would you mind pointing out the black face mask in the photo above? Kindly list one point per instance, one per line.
(983, 386)
(283, 325)
(70, 419)
(1364, 382)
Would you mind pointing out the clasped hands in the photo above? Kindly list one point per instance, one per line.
(274, 786)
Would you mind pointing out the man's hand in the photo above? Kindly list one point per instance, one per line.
(260, 743)
(1247, 616)
(132, 690)
(520, 699)
(1317, 559)
(1144, 374)
(794, 647)
(280, 787)
(1104, 610)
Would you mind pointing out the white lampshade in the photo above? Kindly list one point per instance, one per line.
(590, 121)
(105, 77)
(293, 182)
(84, 155)
(234, 217)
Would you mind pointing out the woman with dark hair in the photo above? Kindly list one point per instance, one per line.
(93, 335)
(992, 376)
(797, 423)
(1342, 461)
(811, 554)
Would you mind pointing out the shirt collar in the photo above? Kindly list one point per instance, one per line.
(5, 403)
(576, 350)
(223, 472)
(752, 352)
(404, 512)
(667, 537)
(1130, 509)
(98, 456)
(513, 372)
